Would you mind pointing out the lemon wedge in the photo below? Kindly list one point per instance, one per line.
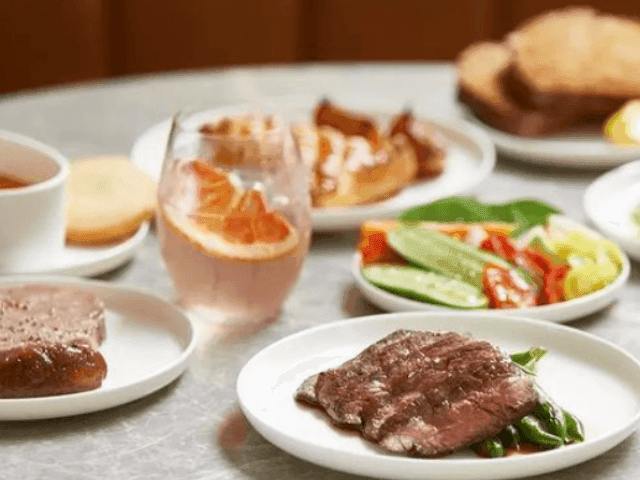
(623, 126)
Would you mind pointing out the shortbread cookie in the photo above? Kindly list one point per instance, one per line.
(107, 200)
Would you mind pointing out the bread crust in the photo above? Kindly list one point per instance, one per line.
(481, 69)
(575, 58)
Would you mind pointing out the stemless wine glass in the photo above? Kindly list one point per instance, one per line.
(234, 218)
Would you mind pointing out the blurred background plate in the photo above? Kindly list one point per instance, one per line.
(609, 202)
(470, 155)
(576, 149)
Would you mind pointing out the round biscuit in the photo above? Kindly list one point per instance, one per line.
(108, 199)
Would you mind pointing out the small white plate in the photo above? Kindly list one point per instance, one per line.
(147, 346)
(609, 202)
(575, 149)
(470, 157)
(557, 312)
(593, 379)
(89, 261)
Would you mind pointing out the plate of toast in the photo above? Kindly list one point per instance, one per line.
(367, 157)
(545, 92)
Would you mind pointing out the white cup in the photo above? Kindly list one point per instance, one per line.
(32, 218)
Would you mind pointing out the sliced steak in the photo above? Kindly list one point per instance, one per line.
(424, 393)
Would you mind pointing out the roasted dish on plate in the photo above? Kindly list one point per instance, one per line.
(431, 393)
(352, 158)
(461, 253)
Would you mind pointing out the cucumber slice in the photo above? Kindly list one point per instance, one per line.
(438, 252)
(424, 286)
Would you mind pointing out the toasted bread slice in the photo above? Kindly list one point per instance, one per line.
(480, 68)
(575, 58)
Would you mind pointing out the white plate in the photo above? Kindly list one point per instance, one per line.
(470, 157)
(593, 379)
(557, 312)
(577, 149)
(147, 346)
(89, 261)
(609, 202)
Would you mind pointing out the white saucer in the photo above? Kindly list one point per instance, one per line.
(89, 261)
(147, 346)
(589, 377)
(579, 149)
(609, 202)
(470, 156)
(557, 312)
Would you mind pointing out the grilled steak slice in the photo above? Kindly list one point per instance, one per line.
(424, 393)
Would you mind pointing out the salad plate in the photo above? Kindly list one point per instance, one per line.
(590, 377)
(147, 346)
(470, 155)
(575, 149)
(612, 203)
(430, 259)
(560, 312)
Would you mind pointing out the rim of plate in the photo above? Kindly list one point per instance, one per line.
(593, 191)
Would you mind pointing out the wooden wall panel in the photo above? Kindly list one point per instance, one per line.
(45, 42)
(167, 34)
(398, 29)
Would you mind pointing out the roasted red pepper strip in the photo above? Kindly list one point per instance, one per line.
(553, 276)
(504, 247)
(550, 276)
(505, 289)
(375, 249)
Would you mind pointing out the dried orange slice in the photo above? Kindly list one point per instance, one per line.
(215, 191)
(252, 223)
(231, 223)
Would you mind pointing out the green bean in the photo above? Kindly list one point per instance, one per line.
(552, 417)
(509, 436)
(528, 359)
(575, 430)
(490, 448)
(532, 429)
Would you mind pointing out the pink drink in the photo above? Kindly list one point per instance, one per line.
(221, 279)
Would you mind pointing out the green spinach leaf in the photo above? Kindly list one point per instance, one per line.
(527, 213)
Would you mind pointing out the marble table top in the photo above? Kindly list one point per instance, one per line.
(191, 429)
